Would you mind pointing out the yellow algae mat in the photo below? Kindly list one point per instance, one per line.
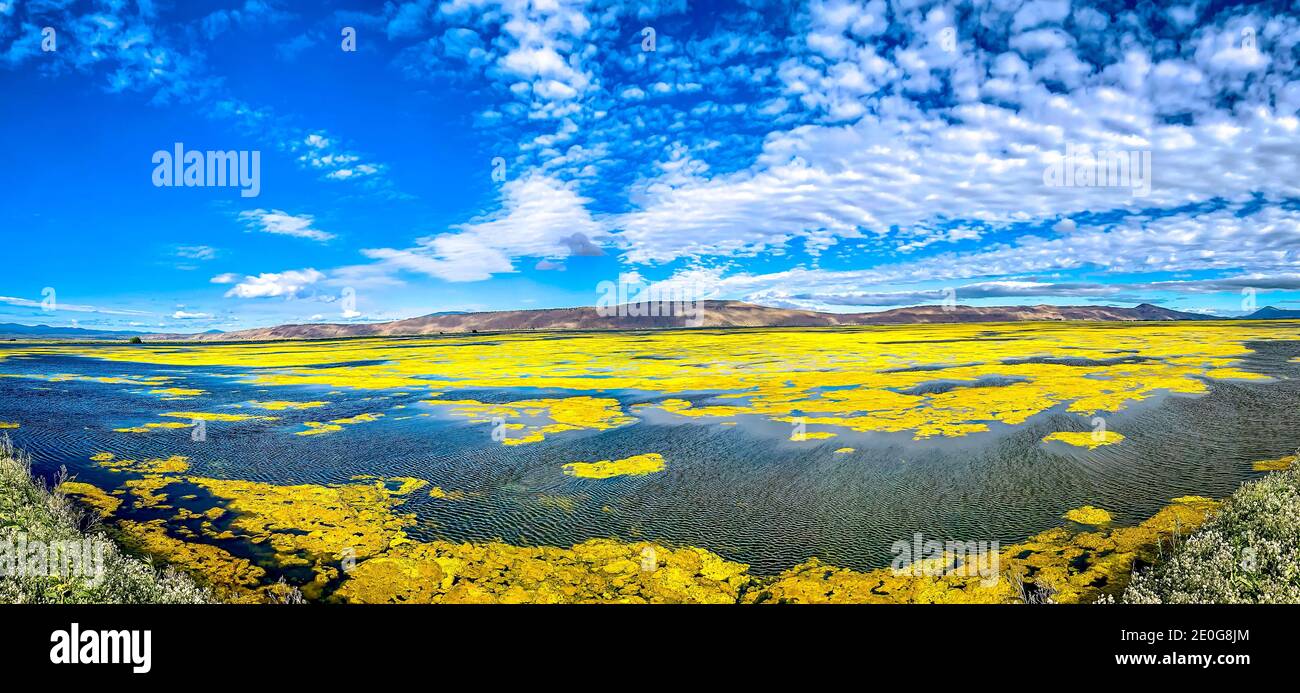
(856, 379)
(352, 537)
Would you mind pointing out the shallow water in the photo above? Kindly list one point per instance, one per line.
(744, 491)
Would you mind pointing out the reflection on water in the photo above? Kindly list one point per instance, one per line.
(744, 491)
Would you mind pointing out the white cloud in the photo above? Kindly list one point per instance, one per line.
(1264, 245)
(196, 252)
(71, 307)
(282, 223)
(1065, 226)
(289, 284)
(539, 218)
(183, 315)
(980, 162)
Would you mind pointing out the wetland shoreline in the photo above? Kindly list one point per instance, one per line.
(1194, 551)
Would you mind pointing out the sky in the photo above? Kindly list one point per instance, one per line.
(465, 155)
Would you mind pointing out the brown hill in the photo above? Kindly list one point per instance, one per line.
(924, 314)
(716, 314)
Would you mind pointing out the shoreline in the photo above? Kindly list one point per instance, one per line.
(56, 553)
(1195, 550)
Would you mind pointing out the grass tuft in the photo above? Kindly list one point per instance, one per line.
(1245, 554)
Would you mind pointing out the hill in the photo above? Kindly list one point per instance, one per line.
(715, 314)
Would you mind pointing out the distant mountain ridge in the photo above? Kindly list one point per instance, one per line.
(716, 314)
(951, 314)
(1273, 313)
(10, 329)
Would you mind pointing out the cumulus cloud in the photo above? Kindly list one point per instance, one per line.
(289, 284)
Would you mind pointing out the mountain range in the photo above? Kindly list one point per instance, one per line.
(10, 330)
(715, 314)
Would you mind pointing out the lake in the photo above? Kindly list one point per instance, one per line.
(767, 447)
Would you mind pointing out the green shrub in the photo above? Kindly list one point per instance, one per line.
(1246, 554)
(31, 512)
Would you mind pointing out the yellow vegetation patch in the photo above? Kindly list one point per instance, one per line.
(1085, 439)
(685, 408)
(213, 416)
(439, 492)
(1088, 515)
(91, 495)
(153, 426)
(280, 405)
(1275, 465)
(538, 417)
(169, 465)
(844, 451)
(209, 514)
(73, 377)
(811, 435)
(146, 490)
(178, 392)
(406, 485)
(1056, 565)
(316, 526)
(317, 428)
(231, 578)
(101, 457)
(8, 424)
(359, 418)
(636, 465)
(596, 571)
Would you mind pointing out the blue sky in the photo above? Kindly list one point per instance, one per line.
(830, 155)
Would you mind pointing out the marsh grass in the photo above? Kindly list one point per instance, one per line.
(37, 513)
(1245, 554)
